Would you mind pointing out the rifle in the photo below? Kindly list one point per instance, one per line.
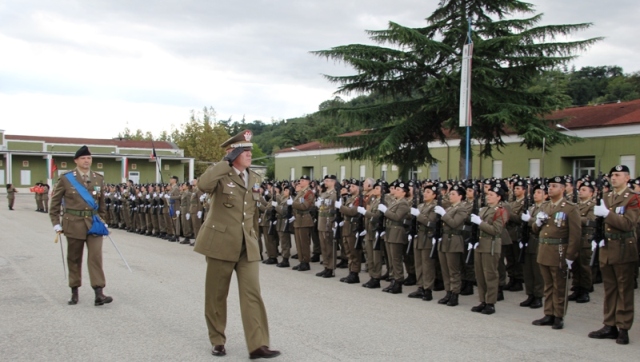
(273, 219)
(575, 191)
(598, 233)
(360, 229)
(474, 237)
(287, 225)
(380, 229)
(437, 235)
(412, 233)
(525, 231)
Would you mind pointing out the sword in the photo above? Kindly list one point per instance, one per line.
(566, 292)
(64, 268)
(118, 250)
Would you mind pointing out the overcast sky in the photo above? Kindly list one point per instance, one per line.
(90, 68)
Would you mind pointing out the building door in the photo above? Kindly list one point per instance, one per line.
(497, 168)
(134, 176)
(25, 177)
(2, 177)
(584, 166)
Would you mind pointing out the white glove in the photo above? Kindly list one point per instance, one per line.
(266, 192)
(178, 212)
(541, 218)
(600, 210)
(275, 222)
(337, 204)
(155, 194)
(341, 223)
(106, 226)
(439, 210)
(274, 203)
(139, 194)
(57, 228)
(476, 219)
(362, 210)
(161, 194)
(167, 196)
(382, 208)
(289, 201)
(569, 262)
(301, 200)
(199, 214)
(187, 216)
(363, 233)
(525, 217)
(415, 212)
(202, 197)
(292, 219)
(259, 220)
(409, 237)
(133, 197)
(318, 203)
(320, 199)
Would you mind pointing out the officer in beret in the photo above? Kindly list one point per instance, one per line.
(620, 209)
(229, 240)
(349, 211)
(581, 281)
(78, 220)
(533, 282)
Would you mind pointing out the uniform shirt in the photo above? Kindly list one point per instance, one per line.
(563, 223)
(427, 220)
(620, 241)
(453, 221)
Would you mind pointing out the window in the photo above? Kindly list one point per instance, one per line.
(324, 171)
(1, 164)
(584, 166)
(434, 173)
(497, 168)
(629, 161)
(25, 164)
(363, 172)
(293, 174)
(343, 171)
(534, 167)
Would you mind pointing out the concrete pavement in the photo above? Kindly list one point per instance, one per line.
(158, 313)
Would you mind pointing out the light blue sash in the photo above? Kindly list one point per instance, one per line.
(97, 226)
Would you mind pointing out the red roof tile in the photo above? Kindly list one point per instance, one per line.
(95, 141)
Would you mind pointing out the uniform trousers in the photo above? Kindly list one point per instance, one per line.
(486, 267)
(254, 314)
(581, 268)
(354, 256)
(326, 247)
(554, 289)
(270, 242)
(75, 249)
(451, 271)
(374, 257)
(285, 244)
(396, 253)
(425, 268)
(533, 282)
(618, 294)
(196, 223)
(303, 243)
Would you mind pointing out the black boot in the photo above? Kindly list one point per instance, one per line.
(418, 293)
(328, 274)
(186, 241)
(467, 288)
(438, 285)
(386, 277)
(573, 296)
(583, 297)
(479, 308)
(623, 336)
(500, 294)
(453, 301)
(557, 323)
(446, 298)
(527, 303)
(396, 287)
(74, 296)
(373, 283)
(516, 286)
(304, 267)
(488, 309)
(388, 288)
(294, 256)
(284, 263)
(606, 332)
(270, 261)
(315, 258)
(343, 264)
(353, 278)
(101, 298)
(410, 280)
(428, 295)
(546, 321)
(536, 303)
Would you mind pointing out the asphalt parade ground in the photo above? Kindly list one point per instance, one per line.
(158, 312)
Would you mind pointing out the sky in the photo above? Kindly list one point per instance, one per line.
(77, 68)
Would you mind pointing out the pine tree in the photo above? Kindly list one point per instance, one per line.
(416, 71)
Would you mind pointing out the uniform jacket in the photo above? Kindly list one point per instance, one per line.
(302, 205)
(235, 219)
(563, 223)
(453, 221)
(76, 227)
(494, 219)
(349, 211)
(11, 193)
(624, 211)
(534, 209)
(326, 211)
(396, 213)
(587, 219)
(426, 225)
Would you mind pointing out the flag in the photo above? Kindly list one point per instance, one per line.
(465, 86)
(153, 153)
(54, 168)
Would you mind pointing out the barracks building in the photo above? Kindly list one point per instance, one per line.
(26, 160)
(610, 135)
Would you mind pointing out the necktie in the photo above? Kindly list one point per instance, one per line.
(85, 178)
(242, 177)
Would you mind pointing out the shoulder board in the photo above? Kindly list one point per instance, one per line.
(562, 204)
(69, 172)
(626, 194)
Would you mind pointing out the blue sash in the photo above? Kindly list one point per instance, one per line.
(97, 226)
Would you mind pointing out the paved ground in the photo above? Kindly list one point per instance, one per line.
(157, 313)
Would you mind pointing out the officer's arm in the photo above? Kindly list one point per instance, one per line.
(423, 217)
(56, 201)
(458, 218)
(494, 227)
(349, 211)
(102, 208)
(575, 234)
(208, 181)
(400, 212)
(306, 204)
(627, 221)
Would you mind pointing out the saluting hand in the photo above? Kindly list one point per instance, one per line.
(439, 210)
(476, 219)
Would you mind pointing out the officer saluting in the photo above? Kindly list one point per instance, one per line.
(618, 256)
(229, 240)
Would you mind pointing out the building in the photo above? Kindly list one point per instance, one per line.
(609, 134)
(26, 160)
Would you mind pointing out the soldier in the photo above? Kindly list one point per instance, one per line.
(326, 217)
(81, 192)
(396, 235)
(38, 191)
(302, 221)
(174, 203)
(196, 210)
(533, 282)
(185, 221)
(266, 215)
(372, 219)
(581, 282)
(452, 246)
(491, 221)
(11, 195)
(513, 267)
(229, 240)
(620, 209)
(558, 224)
(168, 218)
(425, 266)
(45, 198)
(349, 231)
(468, 269)
(285, 229)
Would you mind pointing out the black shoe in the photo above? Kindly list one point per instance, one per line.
(297, 267)
(294, 256)
(388, 288)
(396, 287)
(583, 297)
(453, 301)
(74, 296)
(328, 274)
(512, 281)
(270, 261)
(479, 308)
(172, 239)
(321, 274)
(343, 264)
(353, 278)
(536, 303)
(343, 279)
(500, 294)
(315, 258)
(527, 303)
(467, 288)
(546, 321)
(304, 267)
(488, 309)
(372, 283)
(385, 277)
(284, 263)
(446, 298)
(219, 350)
(606, 332)
(557, 323)
(573, 296)
(411, 280)
(428, 295)
(438, 286)
(417, 294)
(516, 287)
(101, 298)
(623, 337)
(185, 241)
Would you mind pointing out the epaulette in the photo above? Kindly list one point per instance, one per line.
(626, 194)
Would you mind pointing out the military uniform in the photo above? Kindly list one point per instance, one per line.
(11, 196)
(533, 282)
(396, 240)
(185, 200)
(425, 266)
(326, 218)
(196, 210)
(349, 234)
(174, 201)
(582, 281)
(451, 249)
(284, 233)
(271, 242)
(487, 255)
(303, 224)
(513, 267)
(374, 257)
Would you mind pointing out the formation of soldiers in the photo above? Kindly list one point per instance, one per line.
(166, 211)
(501, 235)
